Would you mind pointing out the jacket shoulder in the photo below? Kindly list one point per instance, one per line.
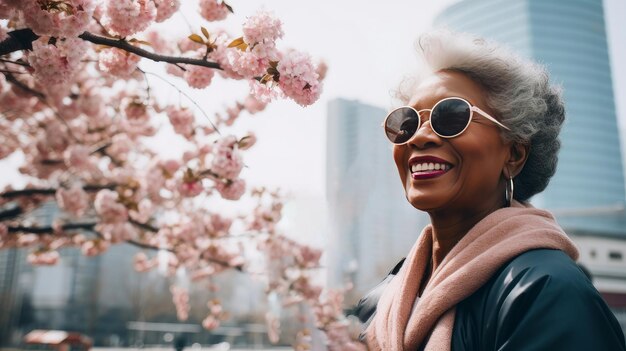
(539, 300)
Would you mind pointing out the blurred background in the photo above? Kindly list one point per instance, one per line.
(335, 163)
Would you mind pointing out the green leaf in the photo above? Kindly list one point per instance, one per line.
(205, 32)
(196, 38)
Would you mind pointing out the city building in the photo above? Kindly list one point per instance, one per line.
(587, 192)
(372, 226)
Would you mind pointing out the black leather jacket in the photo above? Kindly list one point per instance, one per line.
(540, 300)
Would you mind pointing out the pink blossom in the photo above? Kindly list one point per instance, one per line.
(135, 110)
(121, 145)
(144, 211)
(43, 258)
(27, 240)
(170, 166)
(190, 189)
(108, 208)
(218, 225)
(227, 161)
(174, 70)
(56, 64)
(7, 9)
(117, 232)
(307, 256)
(198, 77)
(212, 10)
(210, 323)
(249, 64)
(69, 19)
(221, 55)
(142, 263)
(54, 138)
(322, 69)
(77, 156)
(117, 62)
(273, 327)
(264, 93)
(232, 190)
(94, 247)
(157, 42)
(127, 17)
(166, 8)
(73, 200)
(180, 297)
(263, 27)
(182, 120)
(254, 105)
(304, 287)
(298, 78)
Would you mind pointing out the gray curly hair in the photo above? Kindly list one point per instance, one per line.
(518, 90)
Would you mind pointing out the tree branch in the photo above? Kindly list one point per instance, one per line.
(49, 230)
(11, 79)
(144, 226)
(126, 46)
(22, 39)
(11, 213)
(51, 191)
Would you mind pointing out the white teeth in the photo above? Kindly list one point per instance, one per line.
(424, 167)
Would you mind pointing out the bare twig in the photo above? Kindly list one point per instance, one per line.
(188, 98)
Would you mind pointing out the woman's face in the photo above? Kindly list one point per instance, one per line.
(472, 178)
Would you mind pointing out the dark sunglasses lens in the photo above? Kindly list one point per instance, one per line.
(401, 125)
(450, 117)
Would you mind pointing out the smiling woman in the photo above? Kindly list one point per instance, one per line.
(477, 138)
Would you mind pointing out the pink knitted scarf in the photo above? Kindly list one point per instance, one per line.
(495, 240)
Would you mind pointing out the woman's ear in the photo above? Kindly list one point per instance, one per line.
(517, 158)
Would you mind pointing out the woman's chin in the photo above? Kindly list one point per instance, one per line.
(422, 201)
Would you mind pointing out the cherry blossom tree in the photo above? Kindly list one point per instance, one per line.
(76, 104)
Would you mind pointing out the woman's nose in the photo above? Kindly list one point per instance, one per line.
(425, 137)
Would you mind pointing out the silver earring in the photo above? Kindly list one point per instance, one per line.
(509, 192)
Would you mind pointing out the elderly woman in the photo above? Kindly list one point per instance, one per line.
(478, 138)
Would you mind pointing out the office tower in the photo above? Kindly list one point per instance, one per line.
(587, 191)
(372, 224)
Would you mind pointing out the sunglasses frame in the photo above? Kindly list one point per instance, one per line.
(419, 124)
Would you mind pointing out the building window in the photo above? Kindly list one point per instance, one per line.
(615, 255)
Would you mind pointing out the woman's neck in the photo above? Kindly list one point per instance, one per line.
(450, 227)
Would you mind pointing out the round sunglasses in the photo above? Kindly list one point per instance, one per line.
(449, 118)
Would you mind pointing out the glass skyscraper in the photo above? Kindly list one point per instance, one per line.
(569, 37)
(372, 224)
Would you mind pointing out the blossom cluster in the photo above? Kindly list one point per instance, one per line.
(57, 63)
(83, 116)
(127, 17)
(64, 19)
(213, 10)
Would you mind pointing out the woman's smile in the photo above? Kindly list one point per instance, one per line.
(427, 167)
